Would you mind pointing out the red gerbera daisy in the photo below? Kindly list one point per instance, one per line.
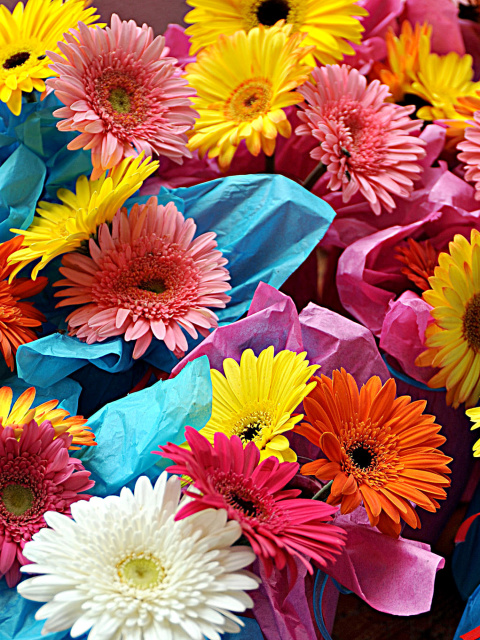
(278, 525)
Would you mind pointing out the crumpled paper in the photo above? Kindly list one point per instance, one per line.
(266, 227)
(331, 341)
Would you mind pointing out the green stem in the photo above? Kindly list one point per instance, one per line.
(324, 492)
(313, 176)
(31, 96)
(270, 163)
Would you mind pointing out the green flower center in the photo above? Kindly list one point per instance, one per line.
(17, 499)
(141, 572)
(120, 100)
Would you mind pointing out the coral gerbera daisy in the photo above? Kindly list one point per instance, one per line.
(402, 58)
(470, 148)
(122, 94)
(62, 422)
(243, 83)
(365, 142)
(19, 320)
(255, 399)
(36, 476)
(123, 568)
(379, 449)
(453, 340)
(279, 526)
(60, 228)
(329, 25)
(420, 260)
(145, 279)
(26, 35)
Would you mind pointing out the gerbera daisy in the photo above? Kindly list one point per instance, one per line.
(279, 526)
(474, 415)
(124, 568)
(60, 228)
(453, 340)
(19, 320)
(62, 422)
(255, 399)
(402, 58)
(26, 35)
(471, 151)
(329, 25)
(243, 83)
(365, 142)
(36, 476)
(379, 449)
(420, 260)
(122, 94)
(145, 279)
(441, 80)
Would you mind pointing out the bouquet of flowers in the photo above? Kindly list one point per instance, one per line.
(239, 315)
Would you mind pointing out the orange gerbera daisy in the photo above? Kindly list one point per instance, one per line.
(420, 260)
(18, 320)
(380, 449)
(22, 413)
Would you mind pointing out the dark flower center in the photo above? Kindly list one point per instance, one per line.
(155, 286)
(471, 323)
(17, 499)
(248, 507)
(251, 430)
(271, 11)
(16, 60)
(362, 456)
(470, 11)
(120, 100)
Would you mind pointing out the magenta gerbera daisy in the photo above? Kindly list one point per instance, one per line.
(36, 475)
(278, 525)
(122, 93)
(365, 142)
(471, 153)
(146, 278)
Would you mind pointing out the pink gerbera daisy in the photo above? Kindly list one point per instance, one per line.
(278, 525)
(365, 142)
(471, 153)
(146, 278)
(36, 475)
(121, 93)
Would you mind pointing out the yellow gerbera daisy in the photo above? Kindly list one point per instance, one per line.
(402, 58)
(256, 398)
(25, 36)
(243, 83)
(22, 413)
(61, 228)
(453, 340)
(441, 80)
(329, 25)
(474, 415)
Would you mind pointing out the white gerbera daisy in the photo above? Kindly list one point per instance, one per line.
(124, 569)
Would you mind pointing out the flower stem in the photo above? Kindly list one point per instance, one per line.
(313, 176)
(30, 96)
(324, 492)
(270, 163)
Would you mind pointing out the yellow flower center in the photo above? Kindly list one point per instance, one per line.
(249, 100)
(254, 424)
(142, 571)
(17, 499)
(471, 323)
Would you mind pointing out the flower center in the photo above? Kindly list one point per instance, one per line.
(16, 60)
(17, 499)
(248, 507)
(155, 285)
(471, 322)
(141, 571)
(271, 11)
(362, 456)
(252, 425)
(120, 100)
(249, 100)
